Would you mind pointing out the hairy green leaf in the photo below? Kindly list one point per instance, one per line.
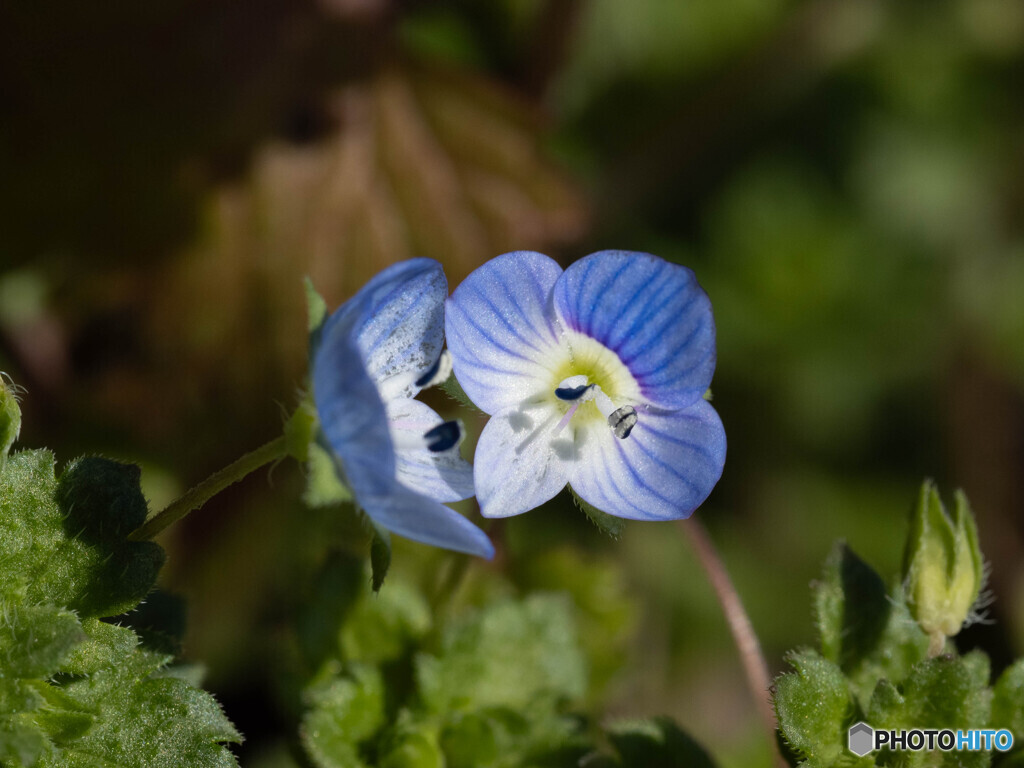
(64, 540)
(35, 639)
(345, 711)
(510, 654)
(868, 634)
(383, 626)
(1008, 701)
(813, 705)
(656, 742)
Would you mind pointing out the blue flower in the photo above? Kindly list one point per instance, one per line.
(594, 377)
(399, 458)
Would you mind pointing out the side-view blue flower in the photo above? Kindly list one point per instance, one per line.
(399, 458)
(594, 377)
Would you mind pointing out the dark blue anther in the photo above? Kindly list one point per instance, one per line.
(426, 378)
(444, 436)
(571, 393)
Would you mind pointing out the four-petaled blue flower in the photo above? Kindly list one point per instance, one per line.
(399, 458)
(593, 376)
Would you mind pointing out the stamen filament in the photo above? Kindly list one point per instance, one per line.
(568, 415)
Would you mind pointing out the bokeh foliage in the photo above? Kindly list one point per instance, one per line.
(843, 176)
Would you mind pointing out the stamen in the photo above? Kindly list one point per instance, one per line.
(603, 402)
(622, 421)
(444, 437)
(565, 419)
(572, 388)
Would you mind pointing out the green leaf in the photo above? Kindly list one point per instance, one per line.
(414, 747)
(944, 692)
(105, 646)
(863, 630)
(22, 742)
(345, 711)
(471, 739)
(605, 609)
(35, 639)
(384, 625)
(656, 743)
(143, 717)
(509, 654)
(380, 556)
(813, 706)
(335, 592)
(608, 524)
(1008, 701)
(10, 416)
(64, 541)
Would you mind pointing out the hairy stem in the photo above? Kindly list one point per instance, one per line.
(754, 665)
(210, 487)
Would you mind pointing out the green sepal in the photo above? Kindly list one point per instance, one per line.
(316, 309)
(943, 570)
(323, 486)
(380, 556)
(454, 390)
(813, 706)
(607, 524)
(300, 429)
(64, 540)
(656, 742)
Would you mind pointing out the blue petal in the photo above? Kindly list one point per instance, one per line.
(398, 319)
(421, 519)
(352, 415)
(663, 471)
(443, 476)
(500, 329)
(651, 313)
(520, 462)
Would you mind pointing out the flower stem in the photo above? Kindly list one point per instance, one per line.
(754, 665)
(210, 487)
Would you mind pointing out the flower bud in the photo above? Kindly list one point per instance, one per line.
(10, 415)
(943, 572)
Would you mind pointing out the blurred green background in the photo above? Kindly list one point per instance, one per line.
(844, 176)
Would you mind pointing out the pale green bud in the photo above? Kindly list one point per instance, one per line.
(10, 415)
(943, 571)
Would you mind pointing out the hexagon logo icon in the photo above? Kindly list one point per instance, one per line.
(861, 739)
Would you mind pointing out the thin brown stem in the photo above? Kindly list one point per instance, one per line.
(754, 665)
